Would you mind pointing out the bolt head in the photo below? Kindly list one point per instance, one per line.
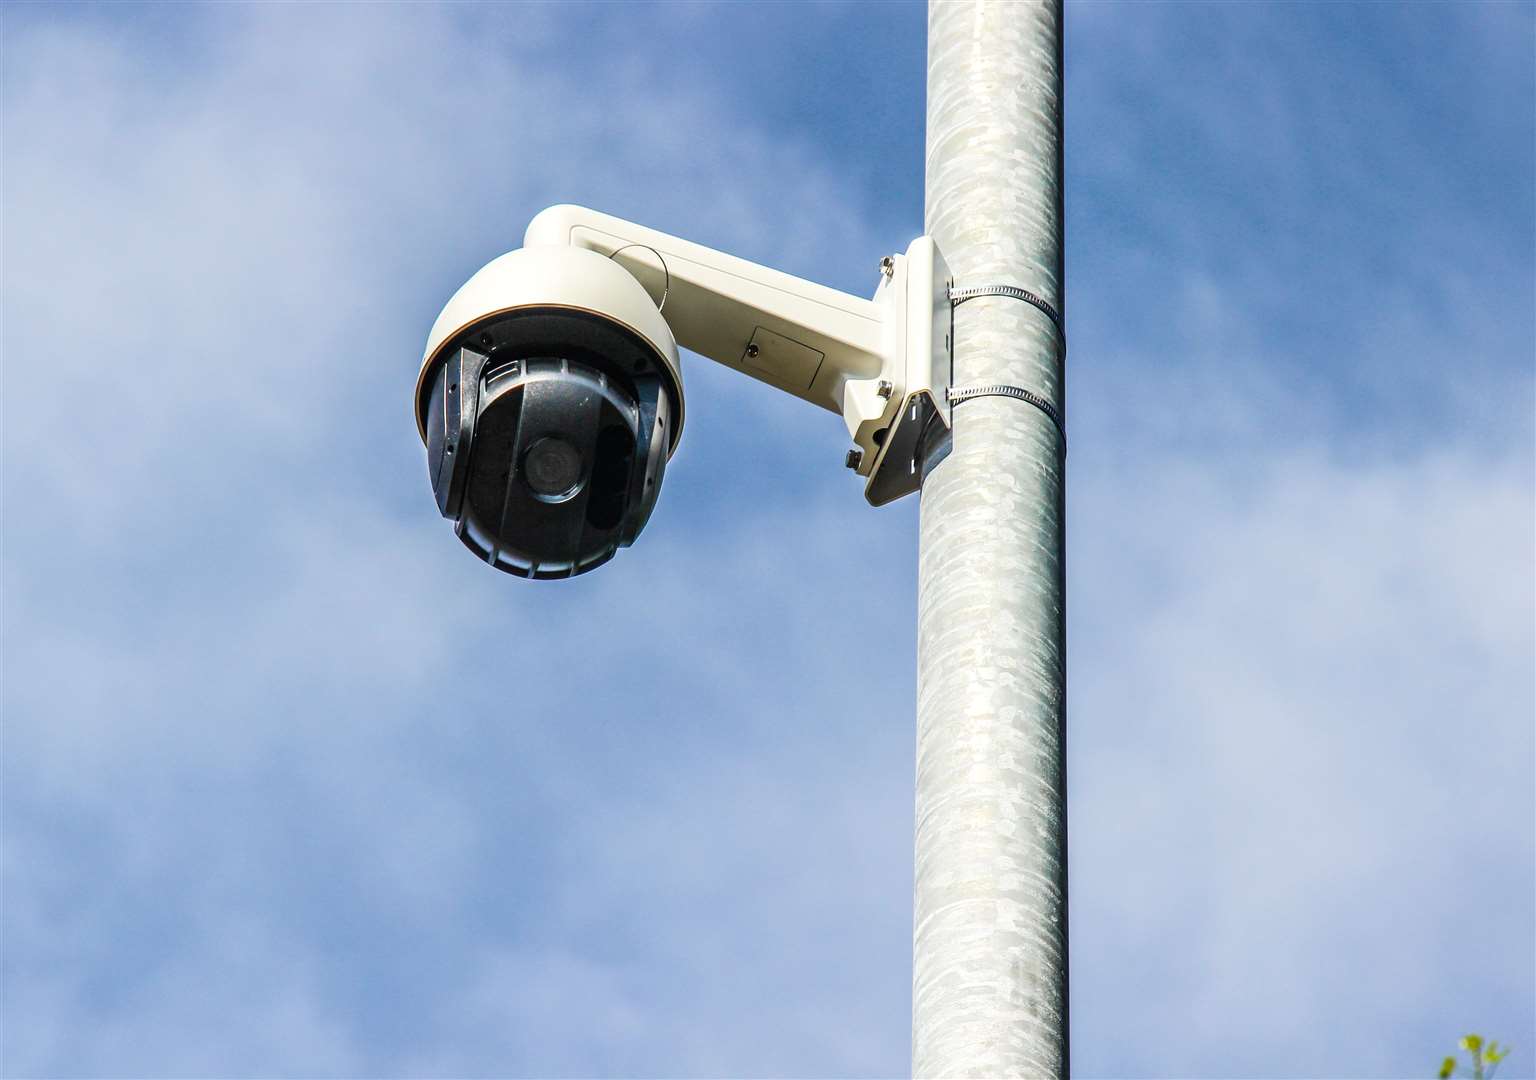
(854, 459)
(885, 388)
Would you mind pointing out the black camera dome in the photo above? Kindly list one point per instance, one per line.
(548, 433)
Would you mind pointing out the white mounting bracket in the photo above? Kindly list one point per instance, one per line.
(882, 364)
(919, 369)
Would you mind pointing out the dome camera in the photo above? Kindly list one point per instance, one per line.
(550, 396)
(549, 400)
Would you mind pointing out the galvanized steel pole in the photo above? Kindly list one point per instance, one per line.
(989, 994)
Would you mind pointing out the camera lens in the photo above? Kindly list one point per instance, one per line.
(552, 469)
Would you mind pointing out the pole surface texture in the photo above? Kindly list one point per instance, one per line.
(989, 994)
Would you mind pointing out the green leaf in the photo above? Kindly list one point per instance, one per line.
(1447, 1067)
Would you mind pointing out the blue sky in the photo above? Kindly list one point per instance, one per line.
(295, 787)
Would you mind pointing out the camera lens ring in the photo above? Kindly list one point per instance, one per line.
(553, 470)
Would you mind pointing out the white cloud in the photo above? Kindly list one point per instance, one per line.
(1300, 747)
(236, 671)
(293, 786)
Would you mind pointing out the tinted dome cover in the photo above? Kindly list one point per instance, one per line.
(547, 457)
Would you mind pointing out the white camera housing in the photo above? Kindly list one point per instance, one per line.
(550, 276)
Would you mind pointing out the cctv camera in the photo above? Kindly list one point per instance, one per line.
(550, 398)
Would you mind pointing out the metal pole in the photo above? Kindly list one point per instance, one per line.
(989, 979)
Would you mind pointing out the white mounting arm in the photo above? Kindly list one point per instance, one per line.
(882, 364)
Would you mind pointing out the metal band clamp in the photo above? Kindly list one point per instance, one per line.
(1012, 292)
(954, 396)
